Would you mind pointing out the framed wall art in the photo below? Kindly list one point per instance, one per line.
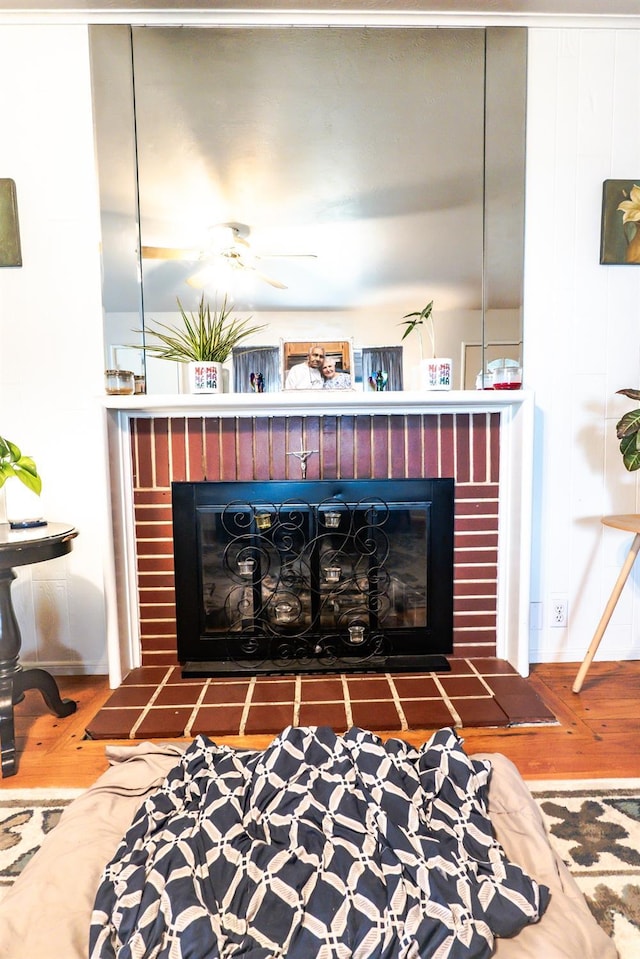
(620, 228)
(10, 252)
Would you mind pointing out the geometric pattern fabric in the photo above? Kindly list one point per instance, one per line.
(318, 846)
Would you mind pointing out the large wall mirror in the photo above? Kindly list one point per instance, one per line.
(329, 180)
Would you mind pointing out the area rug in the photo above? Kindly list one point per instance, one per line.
(594, 825)
(26, 816)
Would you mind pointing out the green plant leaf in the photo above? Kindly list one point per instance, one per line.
(630, 423)
(630, 451)
(210, 335)
(410, 326)
(13, 463)
(631, 393)
(416, 319)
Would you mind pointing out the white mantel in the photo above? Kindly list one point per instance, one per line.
(322, 402)
(514, 511)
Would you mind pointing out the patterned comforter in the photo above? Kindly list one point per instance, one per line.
(318, 847)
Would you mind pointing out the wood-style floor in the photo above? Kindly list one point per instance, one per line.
(597, 734)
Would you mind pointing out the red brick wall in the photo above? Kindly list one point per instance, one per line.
(462, 445)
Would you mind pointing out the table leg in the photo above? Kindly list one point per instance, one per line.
(7, 733)
(11, 692)
(608, 612)
(40, 679)
(14, 680)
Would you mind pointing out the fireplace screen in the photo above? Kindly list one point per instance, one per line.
(313, 576)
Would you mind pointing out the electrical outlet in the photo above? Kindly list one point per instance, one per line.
(559, 611)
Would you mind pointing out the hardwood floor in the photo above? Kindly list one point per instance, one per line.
(597, 733)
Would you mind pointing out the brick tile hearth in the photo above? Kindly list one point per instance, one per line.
(155, 702)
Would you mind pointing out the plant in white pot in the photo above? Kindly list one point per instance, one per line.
(205, 341)
(23, 468)
(435, 371)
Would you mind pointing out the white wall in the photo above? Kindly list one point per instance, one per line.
(581, 331)
(582, 335)
(51, 361)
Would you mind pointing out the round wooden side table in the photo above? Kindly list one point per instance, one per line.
(22, 547)
(630, 523)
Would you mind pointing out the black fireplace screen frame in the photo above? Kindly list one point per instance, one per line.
(313, 575)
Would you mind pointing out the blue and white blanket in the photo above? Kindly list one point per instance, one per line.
(318, 847)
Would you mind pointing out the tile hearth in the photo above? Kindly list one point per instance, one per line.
(154, 701)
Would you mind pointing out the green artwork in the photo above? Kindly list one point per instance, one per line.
(10, 253)
(620, 235)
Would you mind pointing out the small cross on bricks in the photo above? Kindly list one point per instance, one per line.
(303, 456)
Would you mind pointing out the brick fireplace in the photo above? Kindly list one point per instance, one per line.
(481, 439)
(464, 446)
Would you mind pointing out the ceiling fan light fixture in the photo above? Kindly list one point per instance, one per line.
(219, 238)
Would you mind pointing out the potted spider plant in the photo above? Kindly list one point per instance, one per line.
(204, 342)
(435, 371)
(13, 463)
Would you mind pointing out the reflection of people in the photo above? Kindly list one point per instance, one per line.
(307, 375)
(334, 380)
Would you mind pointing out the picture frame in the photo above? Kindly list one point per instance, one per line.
(620, 240)
(10, 249)
(389, 360)
(256, 369)
(295, 354)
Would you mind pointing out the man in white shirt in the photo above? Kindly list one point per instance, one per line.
(307, 375)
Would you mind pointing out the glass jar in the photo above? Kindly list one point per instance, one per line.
(507, 377)
(119, 382)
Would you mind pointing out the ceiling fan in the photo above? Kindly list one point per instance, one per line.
(228, 241)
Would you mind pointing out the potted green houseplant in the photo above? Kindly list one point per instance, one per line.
(14, 464)
(628, 432)
(204, 342)
(435, 371)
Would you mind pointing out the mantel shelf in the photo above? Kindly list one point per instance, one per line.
(316, 402)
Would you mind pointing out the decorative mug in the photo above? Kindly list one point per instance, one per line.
(438, 373)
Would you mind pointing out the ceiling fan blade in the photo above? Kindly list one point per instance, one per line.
(270, 280)
(169, 253)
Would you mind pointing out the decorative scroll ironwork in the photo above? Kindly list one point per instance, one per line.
(295, 583)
